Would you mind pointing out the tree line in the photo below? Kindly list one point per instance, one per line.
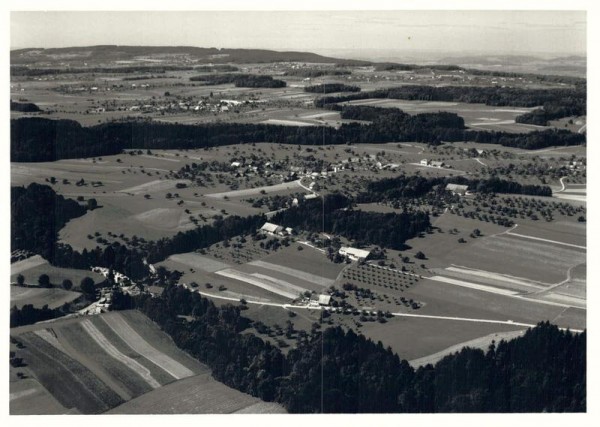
(316, 72)
(24, 107)
(337, 371)
(413, 186)
(331, 87)
(240, 80)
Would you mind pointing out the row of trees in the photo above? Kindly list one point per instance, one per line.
(331, 87)
(335, 371)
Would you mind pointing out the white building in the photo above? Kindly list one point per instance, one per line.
(425, 162)
(354, 253)
(457, 189)
(324, 299)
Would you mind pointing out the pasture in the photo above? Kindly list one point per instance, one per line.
(38, 297)
(32, 268)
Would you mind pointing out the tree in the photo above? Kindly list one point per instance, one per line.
(420, 255)
(88, 286)
(20, 280)
(92, 204)
(67, 284)
(44, 281)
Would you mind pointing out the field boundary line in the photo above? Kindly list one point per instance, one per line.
(524, 236)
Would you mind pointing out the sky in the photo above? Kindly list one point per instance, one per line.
(488, 32)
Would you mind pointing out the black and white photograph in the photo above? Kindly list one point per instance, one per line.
(278, 211)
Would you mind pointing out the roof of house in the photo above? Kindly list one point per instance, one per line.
(324, 299)
(271, 228)
(358, 253)
(457, 187)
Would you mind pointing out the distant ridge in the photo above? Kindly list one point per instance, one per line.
(201, 54)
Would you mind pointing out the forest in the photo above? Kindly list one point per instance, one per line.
(335, 215)
(337, 371)
(37, 214)
(490, 95)
(36, 139)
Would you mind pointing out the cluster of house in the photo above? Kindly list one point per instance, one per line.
(432, 163)
(119, 278)
(242, 168)
(576, 165)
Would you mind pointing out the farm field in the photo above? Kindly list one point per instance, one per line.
(413, 338)
(477, 116)
(199, 394)
(38, 297)
(306, 260)
(23, 392)
(482, 343)
(91, 365)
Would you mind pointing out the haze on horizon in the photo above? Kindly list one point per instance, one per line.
(414, 32)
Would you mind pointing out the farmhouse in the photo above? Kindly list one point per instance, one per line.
(354, 253)
(310, 196)
(457, 189)
(275, 230)
(424, 162)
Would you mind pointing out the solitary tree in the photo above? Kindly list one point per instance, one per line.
(44, 281)
(88, 286)
(92, 204)
(67, 284)
(20, 280)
